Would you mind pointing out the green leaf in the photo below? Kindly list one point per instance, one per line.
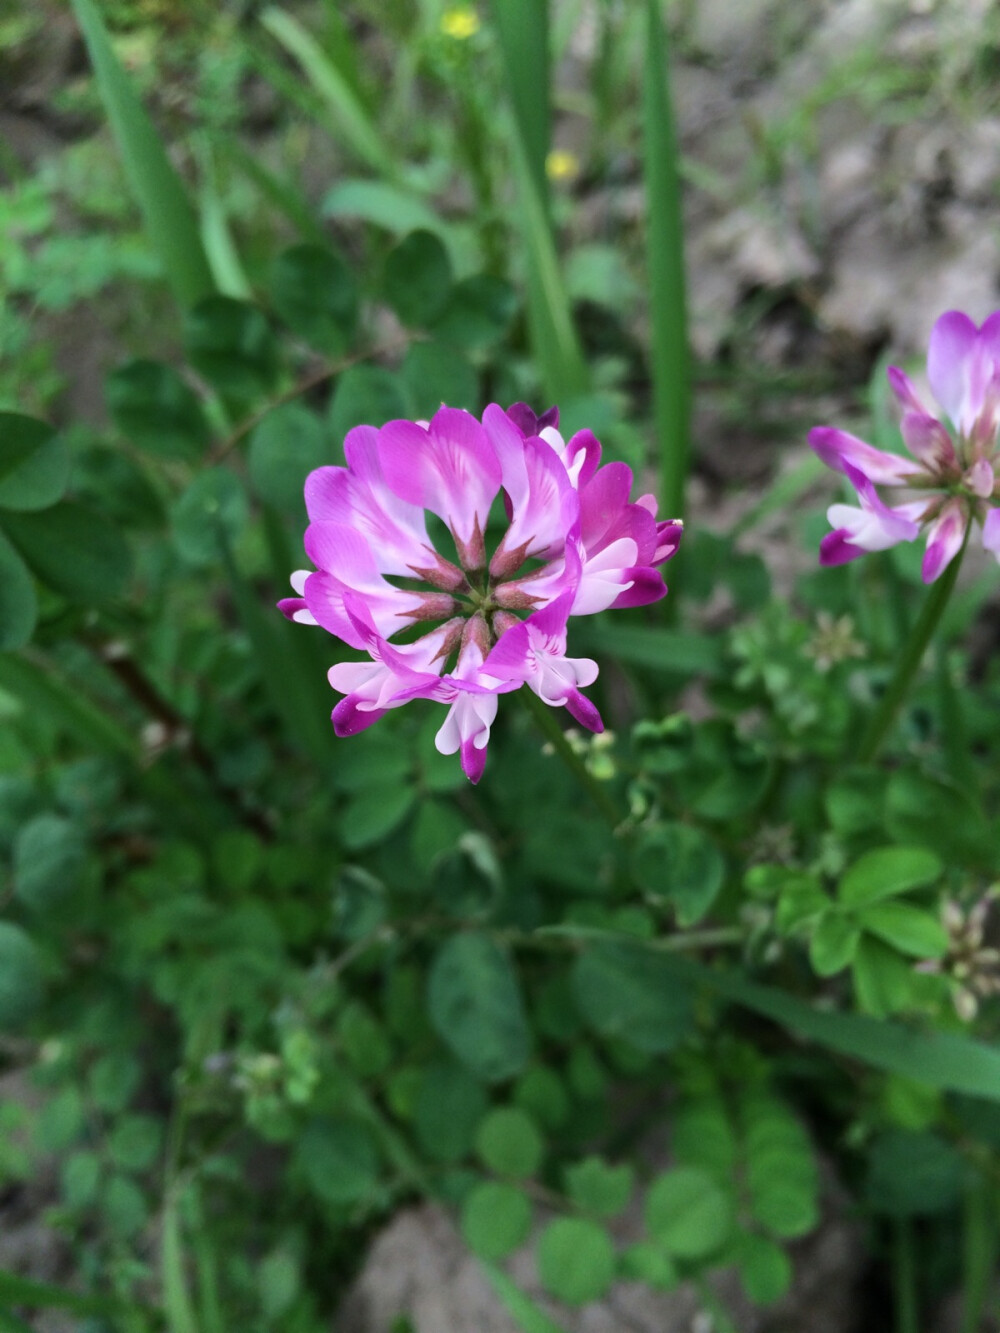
(230, 342)
(912, 1174)
(598, 1188)
(209, 516)
(73, 550)
(18, 602)
(478, 313)
(316, 294)
(384, 205)
(542, 1093)
(35, 462)
(48, 861)
(887, 871)
(15, 1290)
(417, 279)
(668, 651)
(782, 1180)
(338, 1159)
(957, 832)
(909, 929)
(475, 1005)
(765, 1269)
(114, 1080)
(134, 1142)
(279, 1281)
(287, 445)
(124, 1206)
(167, 214)
(508, 1142)
(80, 1177)
(688, 1213)
(20, 437)
(436, 374)
(702, 1135)
(854, 802)
(833, 943)
(20, 977)
(648, 1262)
(681, 864)
(367, 396)
(450, 1105)
(883, 980)
(496, 1219)
(624, 992)
(154, 409)
(576, 1260)
(373, 813)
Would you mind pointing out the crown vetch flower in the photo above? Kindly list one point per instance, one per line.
(954, 471)
(462, 628)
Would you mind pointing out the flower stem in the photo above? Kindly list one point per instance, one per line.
(910, 659)
(553, 732)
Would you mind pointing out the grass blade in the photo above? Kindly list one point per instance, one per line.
(944, 1060)
(15, 1290)
(671, 362)
(523, 30)
(550, 318)
(350, 117)
(220, 249)
(167, 213)
(521, 1308)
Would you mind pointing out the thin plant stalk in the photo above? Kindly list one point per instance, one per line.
(670, 358)
(905, 1278)
(909, 660)
(553, 732)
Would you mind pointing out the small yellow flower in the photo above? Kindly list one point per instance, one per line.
(561, 165)
(461, 22)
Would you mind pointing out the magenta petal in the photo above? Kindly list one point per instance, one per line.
(836, 548)
(955, 362)
(647, 586)
(580, 707)
(473, 761)
(288, 606)
(602, 501)
(348, 719)
(927, 440)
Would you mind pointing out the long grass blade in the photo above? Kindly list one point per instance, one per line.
(550, 317)
(943, 1060)
(522, 28)
(167, 213)
(350, 118)
(670, 366)
(16, 1290)
(220, 248)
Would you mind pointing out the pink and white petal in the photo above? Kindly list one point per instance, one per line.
(836, 548)
(839, 450)
(467, 729)
(294, 608)
(950, 352)
(981, 479)
(944, 540)
(905, 391)
(991, 532)
(605, 577)
(928, 441)
(358, 497)
(669, 533)
(582, 457)
(451, 469)
(602, 501)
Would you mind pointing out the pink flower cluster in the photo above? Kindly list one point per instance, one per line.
(574, 544)
(954, 473)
